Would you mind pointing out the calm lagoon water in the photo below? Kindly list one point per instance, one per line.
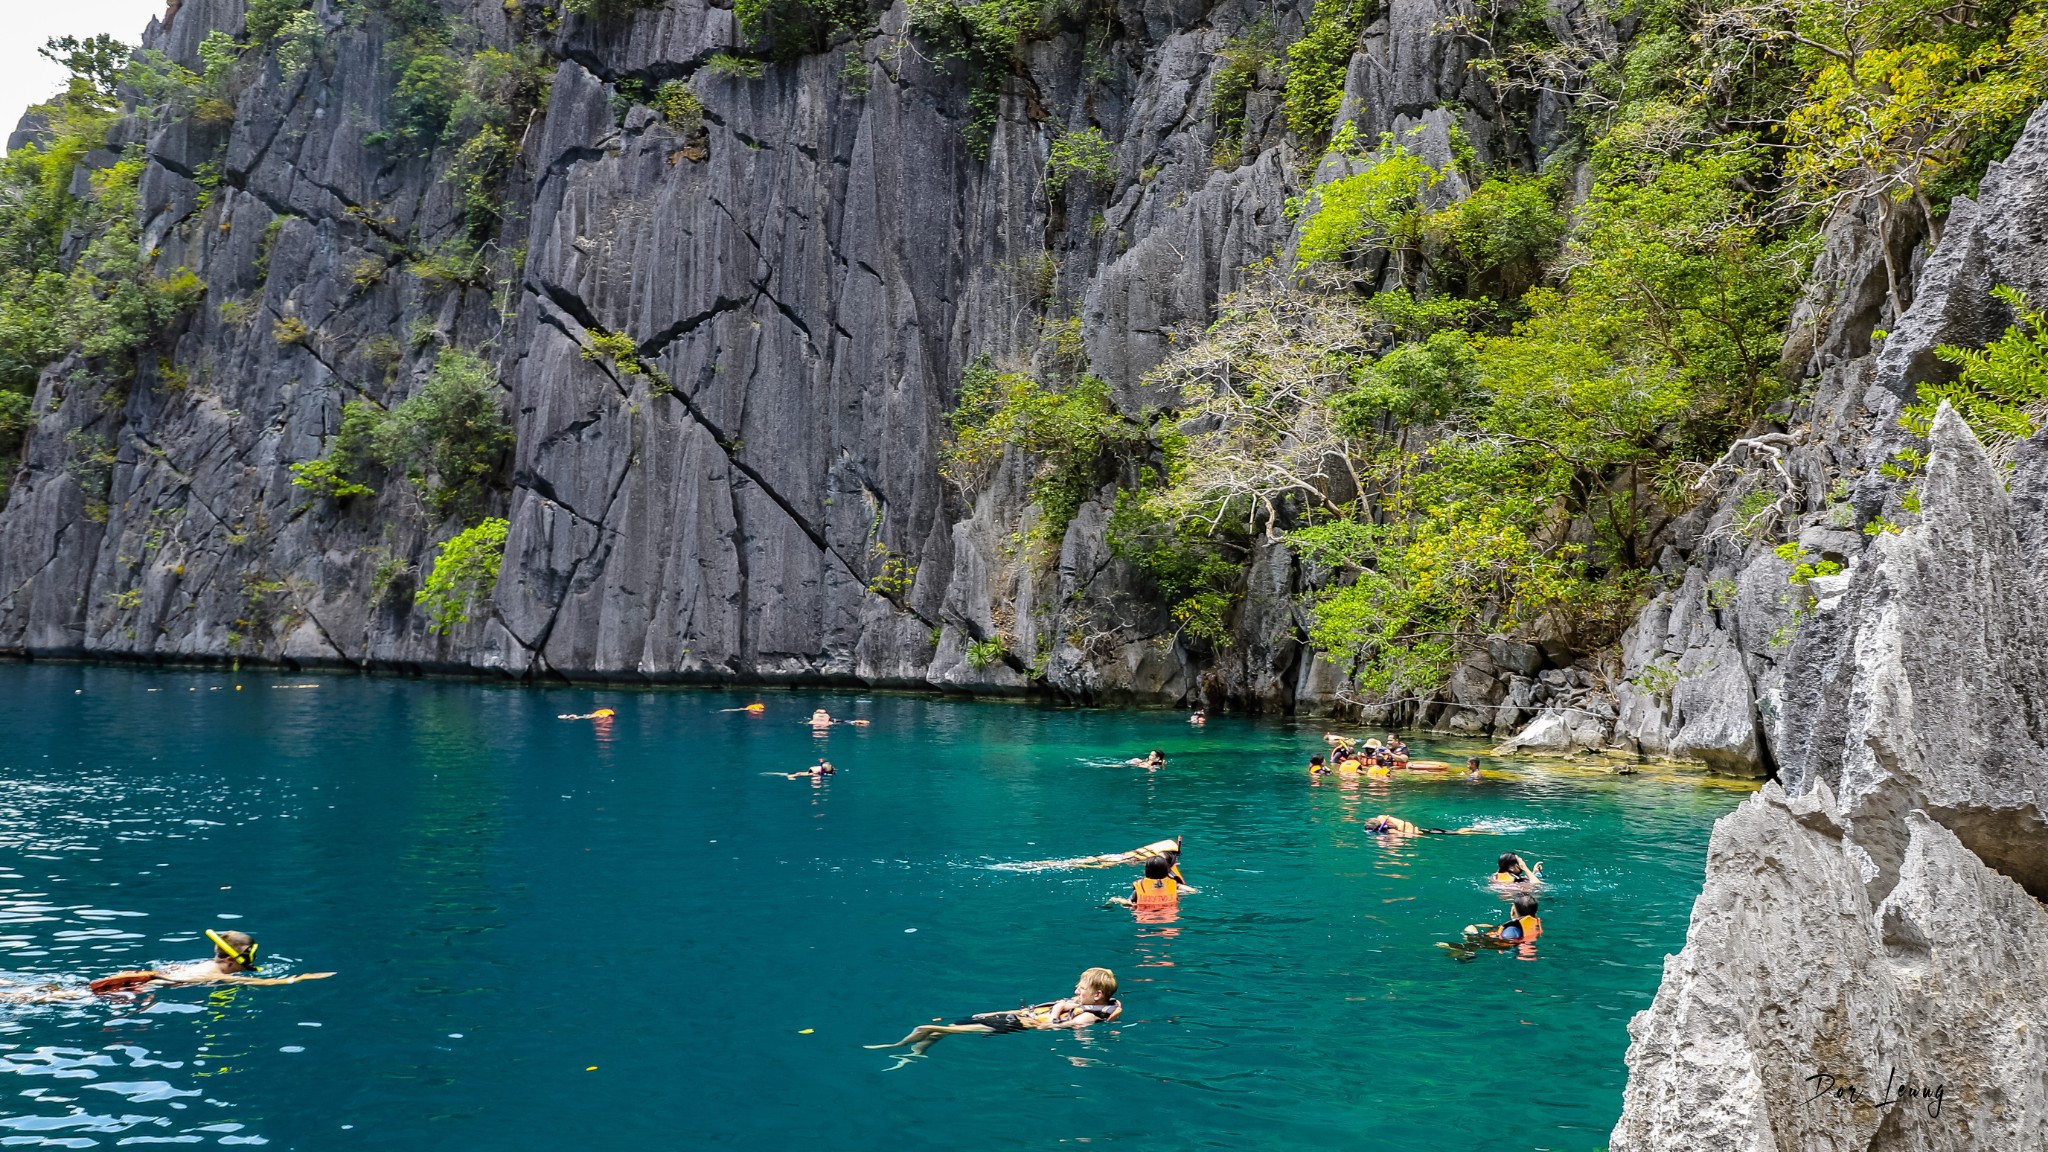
(550, 933)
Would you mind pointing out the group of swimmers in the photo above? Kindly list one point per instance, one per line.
(1162, 885)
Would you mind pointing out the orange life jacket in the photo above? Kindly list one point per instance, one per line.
(1507, 878)
(1149, 893)
(1531, 928)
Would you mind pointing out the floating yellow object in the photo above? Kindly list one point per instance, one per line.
(805, 1031)
(592, 1068)
(756, 709)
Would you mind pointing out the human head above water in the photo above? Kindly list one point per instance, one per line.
(1509, 862)
(236, 947)
(1316, 760)
(1525, 905)
(1099, 983)
(1158, 868)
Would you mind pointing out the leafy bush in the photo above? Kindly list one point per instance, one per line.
(985, 37)
(1230, 86)
(1316, 64)
(608, 11)
(2001, 390)
(464, 572)
(983, 653)
(727, 66)
(1068, 433)
(448, 440)
(787, 29)
(1087, 155)
(679, 106)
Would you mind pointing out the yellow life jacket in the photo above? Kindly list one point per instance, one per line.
(1506, 878)
(1149, 893)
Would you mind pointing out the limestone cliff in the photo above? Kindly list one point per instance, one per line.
(808, 269)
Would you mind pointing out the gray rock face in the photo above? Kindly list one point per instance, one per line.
(1877, 921)
(1796, 985)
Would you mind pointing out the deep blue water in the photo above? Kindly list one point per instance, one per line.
(550, 933)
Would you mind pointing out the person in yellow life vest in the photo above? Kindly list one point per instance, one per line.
(1093, 1002)
(1512, 870)
(1522, 928)
(1316, 767)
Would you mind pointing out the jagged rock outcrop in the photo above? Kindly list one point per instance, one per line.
(1876, 924)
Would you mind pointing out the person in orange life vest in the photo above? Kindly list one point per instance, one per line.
(1513, 870)
(1094, 1002)
(1522, 928)
(1158, 889)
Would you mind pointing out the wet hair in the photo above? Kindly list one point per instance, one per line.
(1158, 868)
(1315, 759)
(1525, 905)
(241, 941)
(1471, 761)
(1157, 753)
(1508, 862)
(1100, 981)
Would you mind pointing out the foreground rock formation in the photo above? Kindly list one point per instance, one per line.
(1868, 965)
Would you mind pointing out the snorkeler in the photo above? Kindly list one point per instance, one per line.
(751, 709)
(600, 714)
(1152, 759)
(1093, 1002)
(1523, 927)
(1166, 848)
(821, 720)
(818, 771)
(1513, 870)
(234, 954)
(1160, 887)
(1386, 824)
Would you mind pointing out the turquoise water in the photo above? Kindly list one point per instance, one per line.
(513, 900)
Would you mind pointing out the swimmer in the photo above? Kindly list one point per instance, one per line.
(1116, 859)
(821, 720)
(600, 714)
(818, 771)
(1093, 1002)
(1158, 889)
(1512, 869)
(751, 709)
(1198, 718)
(1316, 767)
(1385, 824)
(1522, 928)
(1471, 767)
(234, 954)
(1153, 759)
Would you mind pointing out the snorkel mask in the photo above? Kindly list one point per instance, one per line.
(248, 961)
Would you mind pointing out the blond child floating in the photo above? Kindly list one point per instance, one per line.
(1093, 1002)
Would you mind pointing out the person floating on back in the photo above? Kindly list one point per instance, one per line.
(600, 714)
(1093, 1002)
(1154, 759)
(818, 771)
(1512, 869)
(234, 956)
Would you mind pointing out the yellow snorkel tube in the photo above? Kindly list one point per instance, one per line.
(234, 954)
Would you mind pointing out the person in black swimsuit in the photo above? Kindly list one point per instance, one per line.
(1094, 1002)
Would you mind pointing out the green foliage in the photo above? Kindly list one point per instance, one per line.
(1230, 86)
(1086, 155)
(1379, 209)
(787, 29)
(727, 66)
(679, 106)
(266, 19)
(2001, 390)
(983, 653)
(1806, 567)
(448, 440)
(463, 574)
(1194, 571)
(325, 479)
(608, 11)
(1068, 434)
(985, 37)
(623, 353)
(428, 87)
(1316, 64)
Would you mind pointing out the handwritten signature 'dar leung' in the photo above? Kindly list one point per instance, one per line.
(1828, 1086)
